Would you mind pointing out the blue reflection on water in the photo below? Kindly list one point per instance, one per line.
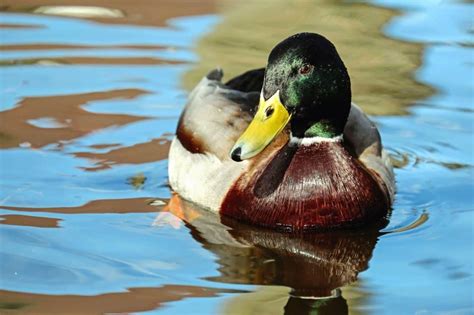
(92, 254)
(57, 80)
(182, 33)
(57, 180)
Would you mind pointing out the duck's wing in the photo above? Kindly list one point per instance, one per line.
(199, 167)
(216, 114)
(365, 139)
(250, 81)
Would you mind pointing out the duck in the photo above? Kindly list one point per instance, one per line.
(283, 147)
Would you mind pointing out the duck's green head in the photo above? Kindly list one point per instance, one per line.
(306, 85)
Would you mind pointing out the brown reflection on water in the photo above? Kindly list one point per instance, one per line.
(154, 150)
(137, 12)
(76, 47)
(134, 205)
(2, 25)
(381, 69)
(75, 122)
(313, 265)
(94, 61)
(27, 220)
(134, 300)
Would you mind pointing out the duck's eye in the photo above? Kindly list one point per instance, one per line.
(305, 69)
(269, 111)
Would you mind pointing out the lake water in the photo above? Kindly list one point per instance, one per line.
(89, 104)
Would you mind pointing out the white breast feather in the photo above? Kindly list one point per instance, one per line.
(202, 178)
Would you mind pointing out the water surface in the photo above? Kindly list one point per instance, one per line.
(88, 108)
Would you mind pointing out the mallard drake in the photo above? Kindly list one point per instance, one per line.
(283, 146)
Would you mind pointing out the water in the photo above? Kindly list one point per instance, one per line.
(88, 110)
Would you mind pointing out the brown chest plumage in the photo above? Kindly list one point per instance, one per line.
(305, 188)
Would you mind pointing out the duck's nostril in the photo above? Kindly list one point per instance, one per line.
(269, 111)
(235, 155)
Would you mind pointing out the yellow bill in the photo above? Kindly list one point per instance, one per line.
(270, 119)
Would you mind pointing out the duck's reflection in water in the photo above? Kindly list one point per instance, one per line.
(313, 265)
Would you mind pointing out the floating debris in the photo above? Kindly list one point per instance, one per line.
(137, 181)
